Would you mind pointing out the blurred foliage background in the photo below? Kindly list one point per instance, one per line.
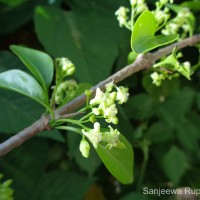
(161, 123)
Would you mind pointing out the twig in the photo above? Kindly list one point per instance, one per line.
(142, 62)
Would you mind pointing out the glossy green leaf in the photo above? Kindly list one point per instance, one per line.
(23, 83)
(16, 14)
(143, 39)
(118, 161)
(40, 64)
(67, 34)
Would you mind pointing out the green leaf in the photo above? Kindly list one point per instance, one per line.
(143, 39)
(139, 107)
(40, 64)
(118, 161)
(70, 35)
(26, 111)
(17, 14)
(180, 104)
(174, 164)
(25, 166)
(159, 132)
(193, 5)
(188, 134)
(62, 185)
(23, 83)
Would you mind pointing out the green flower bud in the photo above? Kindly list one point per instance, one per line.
(92, 119)
(88, 92)
(66, 66)
(109, 86)
(84, 148)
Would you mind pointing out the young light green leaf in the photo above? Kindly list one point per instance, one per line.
(118, 161)
(143, 39)
(23, 83)
(40, 64)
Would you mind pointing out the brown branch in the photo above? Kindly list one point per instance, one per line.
(142, 62)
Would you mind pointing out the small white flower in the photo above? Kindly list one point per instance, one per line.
(110, 114)
(121, 14)
(99, 97)
(94, 135)
(157, 78)
(122, 95)
(110, 99)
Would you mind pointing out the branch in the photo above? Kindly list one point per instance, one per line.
(142, 62)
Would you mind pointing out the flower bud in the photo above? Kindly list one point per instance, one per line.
(84, 148)
(67, 67)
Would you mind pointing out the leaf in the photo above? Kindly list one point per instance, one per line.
(174, 109)
(188, 134)
(23, 83)
(62, 185)
(25, 165)
(174, 164)
(159, 132)
(26, 111)
(193, 5)
(74, 35)
(40, 64)
(118, 161)
(12, 17)
(140, 106)
(143, 39)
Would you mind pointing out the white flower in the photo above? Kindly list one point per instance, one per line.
(99, 97)
(111, 137)
(122, 95)
(110, 114)
(157, 78)
(94, 135)
(121, 14)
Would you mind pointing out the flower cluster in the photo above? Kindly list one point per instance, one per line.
(137, 7)
(95, 135)
(122, 16)
(181, 21)
(161, 15)
(170, 67)
(64, 90)
(64, 65)
(103, 105)
(105, 102)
